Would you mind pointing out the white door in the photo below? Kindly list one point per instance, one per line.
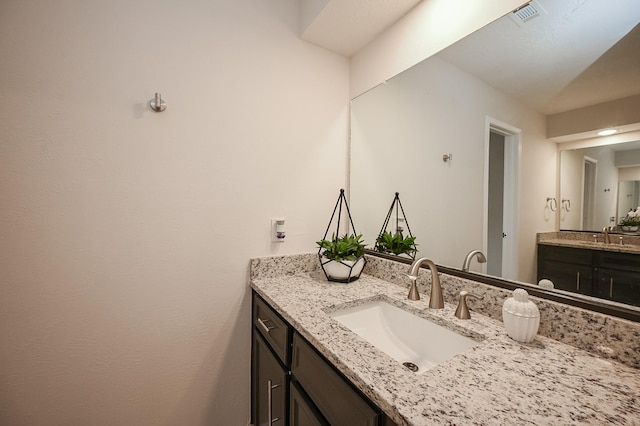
(502, 163)
(588, 192)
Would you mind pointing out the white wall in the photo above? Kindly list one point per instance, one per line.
(606, 187)
(400, 132)
(572, 167)
(126, 234)
(629, 191)
(629, 173)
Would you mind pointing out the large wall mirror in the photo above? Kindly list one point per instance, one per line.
(463, 136)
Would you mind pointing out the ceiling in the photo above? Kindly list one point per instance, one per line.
(346, 26)
(575, 53)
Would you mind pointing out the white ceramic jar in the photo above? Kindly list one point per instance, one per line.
(521, 317)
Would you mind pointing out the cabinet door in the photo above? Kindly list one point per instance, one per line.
(302, 412)
(269, 385)
(338, 402)
(617, 285)
(567, 276)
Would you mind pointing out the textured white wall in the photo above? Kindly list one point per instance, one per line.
(606, 187)
(125, 234)
(572, 171)
(400, 131)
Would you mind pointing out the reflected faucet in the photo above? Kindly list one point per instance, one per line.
(605, 231)
(436, 301)
(467, 260)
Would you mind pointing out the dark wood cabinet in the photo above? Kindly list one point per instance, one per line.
(618, 285)
(604, 274)
(273, 328)
(338, 402)
(302, 413)
(270, 372)
(270, 385)
(569, 269)
(293, 384)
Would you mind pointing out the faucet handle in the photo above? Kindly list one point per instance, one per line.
(462, 311)
(413, 290)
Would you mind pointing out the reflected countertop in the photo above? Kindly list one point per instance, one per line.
(591, 240)
(497, 382)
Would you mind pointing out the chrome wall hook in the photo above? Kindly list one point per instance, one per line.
(157, 103)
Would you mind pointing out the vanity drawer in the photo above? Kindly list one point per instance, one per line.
(338, 402)
(572, 255)
(619, 261)
(273, 328)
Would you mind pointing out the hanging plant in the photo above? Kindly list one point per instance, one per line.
(396, 244)
(347, 247)
(341, 258)
(394, 241)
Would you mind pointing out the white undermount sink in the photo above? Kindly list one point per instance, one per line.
(409, 339)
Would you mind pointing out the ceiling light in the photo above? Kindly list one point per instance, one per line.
(607, 132)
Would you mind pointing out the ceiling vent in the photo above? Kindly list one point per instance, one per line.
(527, 12)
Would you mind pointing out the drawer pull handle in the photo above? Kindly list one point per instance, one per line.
(270, 388)
(264, 326)
(578, 281)
(611, 288)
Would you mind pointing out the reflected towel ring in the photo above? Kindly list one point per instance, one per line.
(552, 203)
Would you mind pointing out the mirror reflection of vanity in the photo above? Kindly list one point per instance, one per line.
(453, 102)
(591, 204)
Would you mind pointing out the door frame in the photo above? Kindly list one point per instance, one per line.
(512, 154)
(588, 182)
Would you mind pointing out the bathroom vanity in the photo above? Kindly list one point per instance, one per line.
(311, 363)
(607, 271)
(293, 384)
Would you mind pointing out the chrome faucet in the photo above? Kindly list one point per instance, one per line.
(467, 260)
(436, 301)
(605, 231)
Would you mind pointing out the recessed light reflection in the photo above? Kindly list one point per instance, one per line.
(607, 132)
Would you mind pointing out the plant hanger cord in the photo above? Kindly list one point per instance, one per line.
(341, 199)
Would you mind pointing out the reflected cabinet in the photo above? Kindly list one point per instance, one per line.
(604, 274)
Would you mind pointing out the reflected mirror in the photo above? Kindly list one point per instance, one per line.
(598, 185)
(470, 137)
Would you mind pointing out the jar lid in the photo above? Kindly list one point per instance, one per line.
(520, 305)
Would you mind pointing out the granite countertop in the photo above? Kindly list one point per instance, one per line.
(497, 382)
(631, 243)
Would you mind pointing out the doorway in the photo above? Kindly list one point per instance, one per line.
(502, 164)
(588, 191)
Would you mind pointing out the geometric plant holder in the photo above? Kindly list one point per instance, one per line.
(397, 222)
(343, 271)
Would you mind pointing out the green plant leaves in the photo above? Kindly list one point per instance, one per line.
(396, 243)
(347, 247)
